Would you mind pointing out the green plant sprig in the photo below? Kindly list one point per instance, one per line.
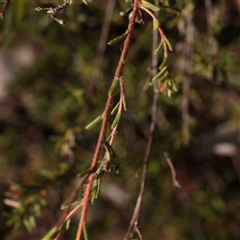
(162, 80)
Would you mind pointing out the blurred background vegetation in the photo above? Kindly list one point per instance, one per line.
(50, 90)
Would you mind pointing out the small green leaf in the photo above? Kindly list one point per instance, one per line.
(115, 109)
(109, 150)
(99, 172)
(27, 225)
(164, 63)
(174, 87)
(93, 194)
(98, 188)
(155, 24)
(124, 104)
(32, 222)
(85, 1)
(168, 44)
(159, 80)
(94, 122)
(84, 172)
(85, 234)
(160, 73)
(114, 87)
(116, 121)
(172, 84)
(169, 93)
(159, 47)
(150, 6)
(68, 224)
(169, 83)
(117, 39)
(50, 233)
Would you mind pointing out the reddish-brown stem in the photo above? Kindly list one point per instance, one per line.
(62, 220)
(67, 218)
(102, 134)
(93, 167)
(165, 50)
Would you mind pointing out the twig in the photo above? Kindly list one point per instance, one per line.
(63, 218)
(102, 134)
(139, 234)
(6, 2)
(173, 172)
(53, 11)
(165, 49)
(67, 218)
(133, 226)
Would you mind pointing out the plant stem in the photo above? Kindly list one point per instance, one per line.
(102, 134)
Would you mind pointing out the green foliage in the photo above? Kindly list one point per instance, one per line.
(49, 135)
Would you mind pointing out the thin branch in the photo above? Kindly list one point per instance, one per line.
(68, 217)
(101, 139)
(2, 12)
(62, 219)
(133, 226)
(173, 172)
(139, 234)
(102, 134)
(165, 49)
(53, 11)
